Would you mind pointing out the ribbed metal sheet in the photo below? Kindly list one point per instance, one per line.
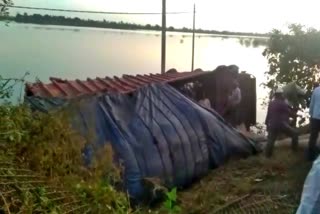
(126, 83)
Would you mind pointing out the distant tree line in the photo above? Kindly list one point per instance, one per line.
(62, 20)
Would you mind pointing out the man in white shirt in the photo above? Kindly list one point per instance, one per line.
(235, 97)
(234, 100)
(203, 100)
(314, 111)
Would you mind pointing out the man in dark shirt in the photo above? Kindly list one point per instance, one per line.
(277, 122)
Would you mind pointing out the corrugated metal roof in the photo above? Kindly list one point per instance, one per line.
(125, 84)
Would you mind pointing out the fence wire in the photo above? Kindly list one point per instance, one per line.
(22, 191)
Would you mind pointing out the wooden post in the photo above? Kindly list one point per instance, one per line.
(163, 38)
(193, 36)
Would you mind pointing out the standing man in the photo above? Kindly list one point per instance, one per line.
(314, 111)
(234, 100)
(233, 96)
(277, 122)
(203, 100)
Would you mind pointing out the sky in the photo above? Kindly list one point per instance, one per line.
(231, 15)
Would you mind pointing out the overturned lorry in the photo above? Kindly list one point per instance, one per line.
(155, 131)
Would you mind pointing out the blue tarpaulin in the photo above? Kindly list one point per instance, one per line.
(158, 132)
(44, 104)
(310, 200)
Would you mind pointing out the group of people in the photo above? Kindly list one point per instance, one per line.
(228, 100)
(278, 122)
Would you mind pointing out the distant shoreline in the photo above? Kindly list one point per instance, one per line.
(76, 22)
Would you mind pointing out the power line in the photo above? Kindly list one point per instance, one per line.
(93, 12)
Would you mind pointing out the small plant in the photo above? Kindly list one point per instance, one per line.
(170, 205)
(101, 197)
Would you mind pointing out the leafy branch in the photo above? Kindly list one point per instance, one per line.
(4, 4)
(293, 57)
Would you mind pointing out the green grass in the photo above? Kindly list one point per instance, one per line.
(253, 185)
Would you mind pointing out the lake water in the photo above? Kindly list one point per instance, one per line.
(71, 52)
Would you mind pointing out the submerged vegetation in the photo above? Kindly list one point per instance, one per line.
(253, 42)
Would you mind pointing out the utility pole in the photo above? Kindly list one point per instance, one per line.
(163, 38)
(193, 36)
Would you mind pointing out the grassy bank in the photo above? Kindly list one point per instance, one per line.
(41, 171)
(41, 167)
(254, 185)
